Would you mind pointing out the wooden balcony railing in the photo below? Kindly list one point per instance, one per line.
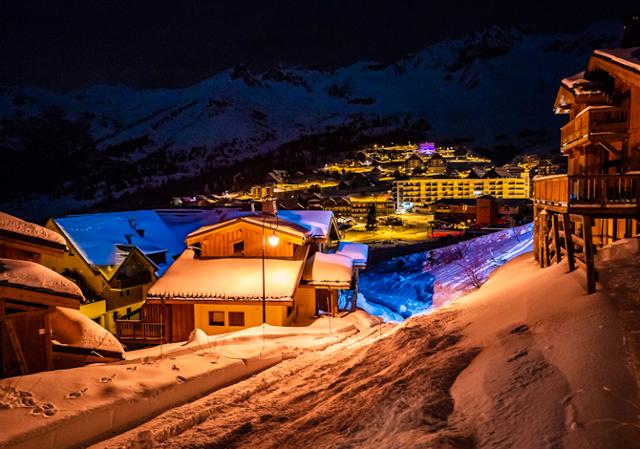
(136, 331)
(585, 191)
(128, 282)
(593, 124)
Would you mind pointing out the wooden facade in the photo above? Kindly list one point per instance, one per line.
(242, 239)
(598, 201)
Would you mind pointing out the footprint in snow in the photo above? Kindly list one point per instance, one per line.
(106, 379)
(76, 394)
(181, 379)
(520, 329)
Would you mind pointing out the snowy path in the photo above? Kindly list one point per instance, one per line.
(348, 395)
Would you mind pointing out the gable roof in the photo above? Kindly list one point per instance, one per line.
(16, 228)
(227, 279)
(104, 239)
(317, 224)
(628, 58)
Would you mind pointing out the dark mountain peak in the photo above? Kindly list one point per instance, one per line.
(241, 72)
(280, 74)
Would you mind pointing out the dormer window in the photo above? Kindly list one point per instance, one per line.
(238, 248)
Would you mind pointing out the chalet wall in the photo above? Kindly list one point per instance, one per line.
(276, 316)
(221, 242)
(305, 303)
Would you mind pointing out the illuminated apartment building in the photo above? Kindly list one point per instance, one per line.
(418, 191)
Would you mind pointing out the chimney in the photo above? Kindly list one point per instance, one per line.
(269, 206)
(631, 35)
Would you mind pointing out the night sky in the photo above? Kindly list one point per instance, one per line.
(71, 44)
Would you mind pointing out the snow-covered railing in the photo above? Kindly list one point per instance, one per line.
(136, 331)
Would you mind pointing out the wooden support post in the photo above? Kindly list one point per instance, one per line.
(568, 241)
(17, 349)
(556, 237)
(588, 254)
(47, 338)
(544, 232)
(354, 301)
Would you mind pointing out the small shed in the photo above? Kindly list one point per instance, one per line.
(29, 293)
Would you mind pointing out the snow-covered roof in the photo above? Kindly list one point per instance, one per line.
(24, 229)
(359, 252)
(227, 279)
(304, 223)
(328, 269)
(628, 57)
(105, 239)
(72, 328)
(580, 85)
(33, 276)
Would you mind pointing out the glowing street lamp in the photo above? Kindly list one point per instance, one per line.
(273, 240)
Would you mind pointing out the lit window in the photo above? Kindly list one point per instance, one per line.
(236, 318)
(216, 318)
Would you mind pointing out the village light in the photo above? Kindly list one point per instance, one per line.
(273, 240)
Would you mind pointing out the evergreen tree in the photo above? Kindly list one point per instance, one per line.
(372, 218)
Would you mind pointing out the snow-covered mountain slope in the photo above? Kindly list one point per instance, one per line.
(492, 88)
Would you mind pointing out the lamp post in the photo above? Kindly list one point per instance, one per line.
(273, 242)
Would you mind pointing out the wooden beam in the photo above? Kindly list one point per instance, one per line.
(588, 252)
(568, 241)
(17, 349)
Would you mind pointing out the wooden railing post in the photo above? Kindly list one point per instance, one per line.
(556, 237)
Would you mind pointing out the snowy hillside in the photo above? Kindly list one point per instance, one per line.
(493, 88)
(413, 284)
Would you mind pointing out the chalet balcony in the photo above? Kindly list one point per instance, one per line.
(606, 195)
(132, 281)
(140, 332)
(595, 124)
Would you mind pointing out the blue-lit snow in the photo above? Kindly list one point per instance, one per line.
(407, 285)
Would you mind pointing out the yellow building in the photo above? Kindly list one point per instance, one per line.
(361, 202)
(417, 191)
(114, 258)
(288, 266)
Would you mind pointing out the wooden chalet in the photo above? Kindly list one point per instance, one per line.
(114, 257)
(291, 260)
(29, 294)
(598, 200)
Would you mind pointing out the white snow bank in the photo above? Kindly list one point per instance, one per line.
(31, 275)
(72, 328)
(97, 401)
(553, 366)
(15, 225)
